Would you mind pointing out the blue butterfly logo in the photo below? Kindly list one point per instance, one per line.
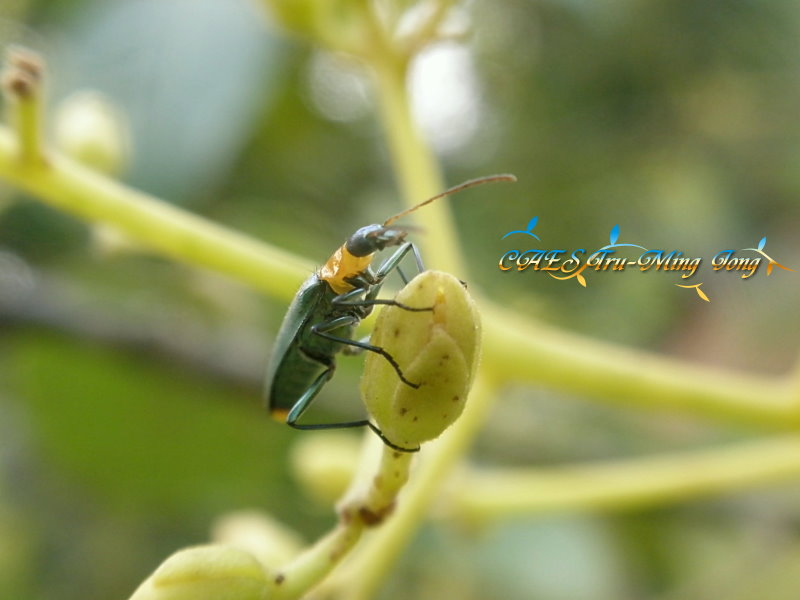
(531, 225)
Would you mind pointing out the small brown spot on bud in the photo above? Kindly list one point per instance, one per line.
(280, 578)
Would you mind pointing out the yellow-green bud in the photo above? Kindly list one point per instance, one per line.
(324, 462)
(108, 241)
(436, 349)
(206, 573)
(271, 542)
(91, 130)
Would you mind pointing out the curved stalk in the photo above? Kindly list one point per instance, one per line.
(625, 484)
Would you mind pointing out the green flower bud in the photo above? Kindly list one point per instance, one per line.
(271, 542)
(108, 241)
(436, 349)
(206, 573)
(324, 462)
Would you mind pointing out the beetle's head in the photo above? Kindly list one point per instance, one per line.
(372, 238)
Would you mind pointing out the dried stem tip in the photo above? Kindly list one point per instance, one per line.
(25, 60)
(23, 72)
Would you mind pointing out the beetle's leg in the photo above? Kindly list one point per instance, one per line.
(350, 299)
(367, 279)
(420, 266)
(386, 441)
(402, 275)
(302, 404)
(369, 283)
(364, 280)
(355, 350)
(391, 263)
(322, 329)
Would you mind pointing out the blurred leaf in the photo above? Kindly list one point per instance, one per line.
(192, 75)
(145, 436)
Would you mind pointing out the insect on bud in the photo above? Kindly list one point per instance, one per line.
(436, 349)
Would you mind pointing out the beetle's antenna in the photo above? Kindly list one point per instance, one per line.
(461, 186)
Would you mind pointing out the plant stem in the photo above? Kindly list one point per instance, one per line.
(316, 562)
(372, 560)
(522, 350)
(368, 504)
(28, 122)
(503, 493)
(171, 231)
(22, 88)
(416, 169)
(392, 476)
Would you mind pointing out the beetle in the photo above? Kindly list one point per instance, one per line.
(321, 319)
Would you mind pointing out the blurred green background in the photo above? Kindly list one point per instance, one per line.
(130, 410)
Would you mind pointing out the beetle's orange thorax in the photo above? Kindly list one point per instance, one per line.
(340, 266)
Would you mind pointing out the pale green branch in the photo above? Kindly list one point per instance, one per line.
(518, 349)
(624, 484)
(171, 231)
(315, 563)
(416, 169)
